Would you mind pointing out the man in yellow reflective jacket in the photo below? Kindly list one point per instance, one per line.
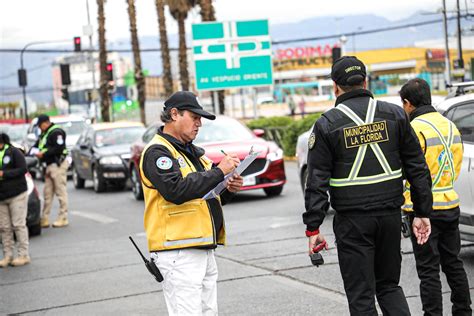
(441, 143)
(182, 228)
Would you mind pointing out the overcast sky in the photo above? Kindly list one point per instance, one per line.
(24, 21)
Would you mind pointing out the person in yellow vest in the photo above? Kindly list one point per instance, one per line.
(51, 150)
(13, 203)
(441, 143)
(182, 228)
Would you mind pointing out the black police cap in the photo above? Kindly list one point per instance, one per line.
(41, 119)
(348, 71)
(185, 100)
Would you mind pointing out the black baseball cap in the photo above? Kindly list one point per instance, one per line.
(185, 100)
(348, 71)
(42, 118)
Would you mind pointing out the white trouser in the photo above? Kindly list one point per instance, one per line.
(190, 280)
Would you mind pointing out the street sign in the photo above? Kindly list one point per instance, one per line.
(232, 54)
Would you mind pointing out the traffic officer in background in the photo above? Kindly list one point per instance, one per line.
(52, 152)
(182, 228)
(357, 152)
(441, 143)
(13, 203)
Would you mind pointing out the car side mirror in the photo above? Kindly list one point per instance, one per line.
(31, 137)
(258, 132)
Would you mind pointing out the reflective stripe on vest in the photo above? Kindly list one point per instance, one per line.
(448, 157)
(2, 153)
(353, 179)
(44, 139)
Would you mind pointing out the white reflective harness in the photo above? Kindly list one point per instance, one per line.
(353, 178)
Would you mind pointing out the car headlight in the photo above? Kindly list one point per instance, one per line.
(276, 155)
(110, 160)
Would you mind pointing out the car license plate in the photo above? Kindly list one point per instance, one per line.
(249, 181)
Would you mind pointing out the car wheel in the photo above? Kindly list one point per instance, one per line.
(136, 185)
(35, 230)
(99, 184)
(76, 179)
(304, 178)
(273, 191)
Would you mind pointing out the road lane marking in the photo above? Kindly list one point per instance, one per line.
(95, 217)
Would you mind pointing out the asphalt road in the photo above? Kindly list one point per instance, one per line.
(91, 268)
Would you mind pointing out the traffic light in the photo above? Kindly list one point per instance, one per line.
(109, 72)
(77, 44)
(65, 94)
(65, 75)
(22, 77)
(336, 53)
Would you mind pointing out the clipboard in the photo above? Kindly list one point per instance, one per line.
(244, 164)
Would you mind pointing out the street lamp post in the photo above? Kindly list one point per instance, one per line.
(25, 106)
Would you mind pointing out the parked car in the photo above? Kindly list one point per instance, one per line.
(33, 216)
(460, 110)
(73, 125)
(267, 172)
(102, 154)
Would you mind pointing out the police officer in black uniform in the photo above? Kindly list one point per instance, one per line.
(357, 152)
(52, 152)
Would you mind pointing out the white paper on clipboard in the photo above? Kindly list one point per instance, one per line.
(34, 151)
(240, 168)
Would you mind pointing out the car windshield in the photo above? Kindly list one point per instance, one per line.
(72, 127)
(118, 136)
(463, 117)
(223, 130)
(17, 132)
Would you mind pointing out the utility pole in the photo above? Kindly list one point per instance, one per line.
(460, 60)
(92, 64)
(447, 60)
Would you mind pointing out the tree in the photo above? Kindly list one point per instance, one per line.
(138, 73)
(208, 13)
(104, 84)
(179, 11)
(165, 52)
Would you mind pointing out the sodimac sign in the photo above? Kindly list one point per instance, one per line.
(304, 52)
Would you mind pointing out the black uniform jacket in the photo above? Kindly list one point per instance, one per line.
(178, 190)
(55, 144)
(13, 181)
(329, 157)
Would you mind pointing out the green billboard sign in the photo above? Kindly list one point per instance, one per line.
(232, 54)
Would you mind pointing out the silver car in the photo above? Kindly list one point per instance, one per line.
(460, 110)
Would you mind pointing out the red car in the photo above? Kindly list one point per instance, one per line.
(226, 134)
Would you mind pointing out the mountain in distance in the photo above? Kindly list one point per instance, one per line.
(312, 27)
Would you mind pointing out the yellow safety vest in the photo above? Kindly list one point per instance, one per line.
(353, 178)
(441, 141)
(170, 226)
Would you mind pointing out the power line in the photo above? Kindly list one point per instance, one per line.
(296, 40)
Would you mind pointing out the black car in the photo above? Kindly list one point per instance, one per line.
(102, 154)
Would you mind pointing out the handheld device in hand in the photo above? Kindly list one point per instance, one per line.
(316, 257)
(149, 264)
(406, 231)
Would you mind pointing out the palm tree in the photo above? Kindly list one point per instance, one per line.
(139, 79)
(179, 11)
(165, 53)
(208, 13)
(103, 86)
